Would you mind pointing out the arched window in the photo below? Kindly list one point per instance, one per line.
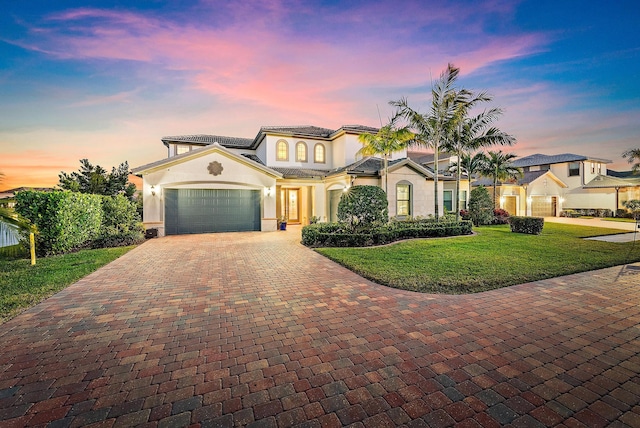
(318, 151)
(403, 198)
(282, 150)
(301, 151)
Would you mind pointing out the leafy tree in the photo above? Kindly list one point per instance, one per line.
(434, 128)
(633, 155)
(499, 167)
(480, 206)
(388, 140)
(96, 180)
(362, 206)
(634, 206)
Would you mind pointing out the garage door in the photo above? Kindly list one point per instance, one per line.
(543, 206)
(211, 210)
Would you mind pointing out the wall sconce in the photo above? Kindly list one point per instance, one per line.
(502, 199)
(267, 191)
(561, 200)
(345, 189)
(153, 190)
(529, 199)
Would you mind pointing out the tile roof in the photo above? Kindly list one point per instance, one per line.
(254, 158)
(202, 139)
(527, 177)
(622, 174)
(301, 172)
(540, 159)
(304, 130)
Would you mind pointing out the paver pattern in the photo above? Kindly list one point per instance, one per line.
(252, 329)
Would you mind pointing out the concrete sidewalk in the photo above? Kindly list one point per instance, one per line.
(594, 222)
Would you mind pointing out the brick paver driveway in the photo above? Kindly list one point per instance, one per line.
(253, 329)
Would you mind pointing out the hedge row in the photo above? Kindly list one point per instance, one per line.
(339, 235)
(66, 221)
(530, 225)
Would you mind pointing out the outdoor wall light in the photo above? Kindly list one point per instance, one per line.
(345, 189)
(529, 199)
(561, 200)
(267, 191)
(502, 199)
(153, 190)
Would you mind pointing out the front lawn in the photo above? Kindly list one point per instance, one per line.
(494, 258)
(23, 285)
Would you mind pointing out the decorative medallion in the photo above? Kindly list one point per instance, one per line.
(215, 168)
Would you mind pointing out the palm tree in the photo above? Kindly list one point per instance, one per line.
(499, 168)
(633, 155)
(470, 165)
(434, 128)
(388, 140)
(470, 134)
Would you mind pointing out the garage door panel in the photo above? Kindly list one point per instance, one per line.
(211, 210)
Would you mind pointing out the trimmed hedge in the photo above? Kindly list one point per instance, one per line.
(339, 234)
(65, 220)
(530, 225)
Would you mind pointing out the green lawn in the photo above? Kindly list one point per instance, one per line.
(23, 285)
(494, 258)
(620, 219)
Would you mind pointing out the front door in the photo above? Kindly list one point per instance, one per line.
(290, 204)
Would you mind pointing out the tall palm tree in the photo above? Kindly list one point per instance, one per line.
(388, 140)
(471, 165)
(473, 133)
(434, 128)
(633, 155)
(499, 168)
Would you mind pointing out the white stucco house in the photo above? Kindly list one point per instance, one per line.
(210, 183)
(553, 183)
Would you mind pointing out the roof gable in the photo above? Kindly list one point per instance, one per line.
(203, 151)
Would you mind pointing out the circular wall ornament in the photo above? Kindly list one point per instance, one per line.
(215, 168)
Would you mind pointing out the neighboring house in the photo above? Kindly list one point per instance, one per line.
(553, 183)
(213, 183)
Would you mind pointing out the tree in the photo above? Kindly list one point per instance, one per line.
(470, 134)
(96, 180)
(480, 209)
(363, 206)
(499, 167)
(435, 128)
(388, 140)
(633, 155)
(471, 165)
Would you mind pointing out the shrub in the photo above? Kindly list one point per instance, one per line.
(530, 225)
(120, 223)
(65, 221)
(464, 214)
(480, 206)
(500, 216)
(362, 206)
(633, 205)
(340, 235)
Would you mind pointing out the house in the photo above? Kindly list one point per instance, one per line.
(553, 183)
(446, 170)
(211, 183)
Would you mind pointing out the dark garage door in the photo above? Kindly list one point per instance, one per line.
(211, 210)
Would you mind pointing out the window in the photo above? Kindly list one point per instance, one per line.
(182, 148)
(318, 151)
(463, 199)
(447, 200)
(282, 150)
(593, 168)
(574, 169)
(301, 152)
(599, 168)
(403, 199)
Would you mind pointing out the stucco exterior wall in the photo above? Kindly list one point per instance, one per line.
(269, 148)
(193, 174)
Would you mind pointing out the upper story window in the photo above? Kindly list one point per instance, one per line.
(301, 152)
(593, 167)
(574, 169)
(599, 168)
(182, 148)
(318, 153)
(282, 150)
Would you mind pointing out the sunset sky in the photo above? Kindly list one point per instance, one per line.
(106, 80)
